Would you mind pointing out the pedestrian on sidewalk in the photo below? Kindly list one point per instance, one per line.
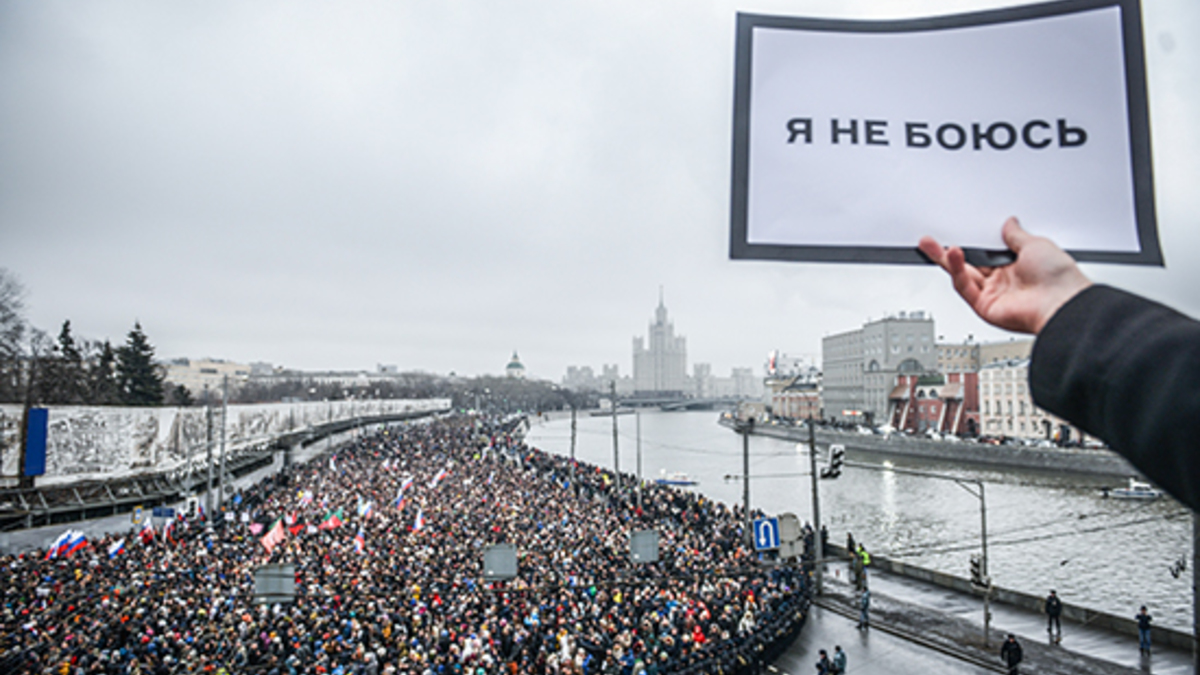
(1053, 612)
(1143, 620)
(839, 661)
(864, 606)
(1010, 654)
(824, 667)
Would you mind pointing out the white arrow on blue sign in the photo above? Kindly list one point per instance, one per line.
(766, 534)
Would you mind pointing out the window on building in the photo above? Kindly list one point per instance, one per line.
(985, 408)
(1010, 411)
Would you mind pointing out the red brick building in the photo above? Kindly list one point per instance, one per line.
(945, 403)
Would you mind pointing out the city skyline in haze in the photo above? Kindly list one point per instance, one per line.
(337, 186)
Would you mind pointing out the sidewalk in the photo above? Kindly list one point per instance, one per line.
(1030, 627)
(918, 629)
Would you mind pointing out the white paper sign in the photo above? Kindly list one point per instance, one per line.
(853, 139)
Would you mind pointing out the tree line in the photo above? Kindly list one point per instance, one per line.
(40, 370)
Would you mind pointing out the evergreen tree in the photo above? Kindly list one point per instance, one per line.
(179, 395)
(139, 379)
(102, 378)
(63, 380)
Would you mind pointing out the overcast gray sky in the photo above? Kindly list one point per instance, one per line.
(434, 184)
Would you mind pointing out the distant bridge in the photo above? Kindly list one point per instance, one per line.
(703, 403)
(672, 403)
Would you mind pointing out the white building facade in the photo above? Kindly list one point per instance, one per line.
(660, 359)
(1006, 405)
(860, 368)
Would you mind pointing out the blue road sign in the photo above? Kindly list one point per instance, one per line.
(163, 512)
(766, 534)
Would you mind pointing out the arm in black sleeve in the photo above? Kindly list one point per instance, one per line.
(1127, 370)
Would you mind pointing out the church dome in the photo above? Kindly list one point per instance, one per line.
(515, 368)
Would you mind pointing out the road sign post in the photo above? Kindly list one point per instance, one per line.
(766, 534)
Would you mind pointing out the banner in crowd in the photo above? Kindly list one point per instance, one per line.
(105, 442)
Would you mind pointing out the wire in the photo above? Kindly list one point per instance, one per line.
(953, 548)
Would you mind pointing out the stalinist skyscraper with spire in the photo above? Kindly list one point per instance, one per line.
(660, 367)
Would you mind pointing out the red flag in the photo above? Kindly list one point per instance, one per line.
(332, 520)
(276, 535)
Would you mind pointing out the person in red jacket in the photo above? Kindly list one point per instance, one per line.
(1122, 368)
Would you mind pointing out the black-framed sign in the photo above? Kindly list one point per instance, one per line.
(852, 139)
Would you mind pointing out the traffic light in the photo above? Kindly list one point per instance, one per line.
(977, 571)
(837, 456)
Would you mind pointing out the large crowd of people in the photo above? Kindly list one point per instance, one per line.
(386, 535)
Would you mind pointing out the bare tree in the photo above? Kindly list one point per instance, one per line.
(12, 335)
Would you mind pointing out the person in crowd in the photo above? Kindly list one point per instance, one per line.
(839, 661)
(864, 609)
(1143, 619)
(1118, 366)
(824, 667)
(1011, 655)
(386, 542)
(1053, 609)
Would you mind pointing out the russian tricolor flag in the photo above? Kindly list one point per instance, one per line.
(116, 548)
(57, 546)
(76, 541)
(419, 523)
(360, 542)
(438, 478)
(147, 532)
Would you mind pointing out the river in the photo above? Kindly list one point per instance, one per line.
(1044, 531)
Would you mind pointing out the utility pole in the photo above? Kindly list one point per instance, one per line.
(747, 425)
(573, 485)
(639, 459)
(208, 445)
(987, 591)
(224, 413)
(976, 489)
(616, 454)
(818, 545)
(1196, 592)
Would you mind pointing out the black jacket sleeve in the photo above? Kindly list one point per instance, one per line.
(1127, 370)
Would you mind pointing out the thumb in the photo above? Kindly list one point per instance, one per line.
(1015, 236)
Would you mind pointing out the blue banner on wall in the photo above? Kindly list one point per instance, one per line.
(35, 441)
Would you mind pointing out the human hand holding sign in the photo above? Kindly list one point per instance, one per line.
(1021, 296)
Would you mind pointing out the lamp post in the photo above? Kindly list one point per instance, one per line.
(616, 454)
(976, 489)
(818, 545)
(745, 427)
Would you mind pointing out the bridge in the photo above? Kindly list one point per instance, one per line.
(676, 403)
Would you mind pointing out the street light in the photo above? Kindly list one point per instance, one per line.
(976, 489)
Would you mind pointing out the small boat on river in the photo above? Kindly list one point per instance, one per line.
(678, 479)
(1136, 490)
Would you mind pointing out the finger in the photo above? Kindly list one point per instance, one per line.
(934, 251)
(1015, 236)
(968, 281)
